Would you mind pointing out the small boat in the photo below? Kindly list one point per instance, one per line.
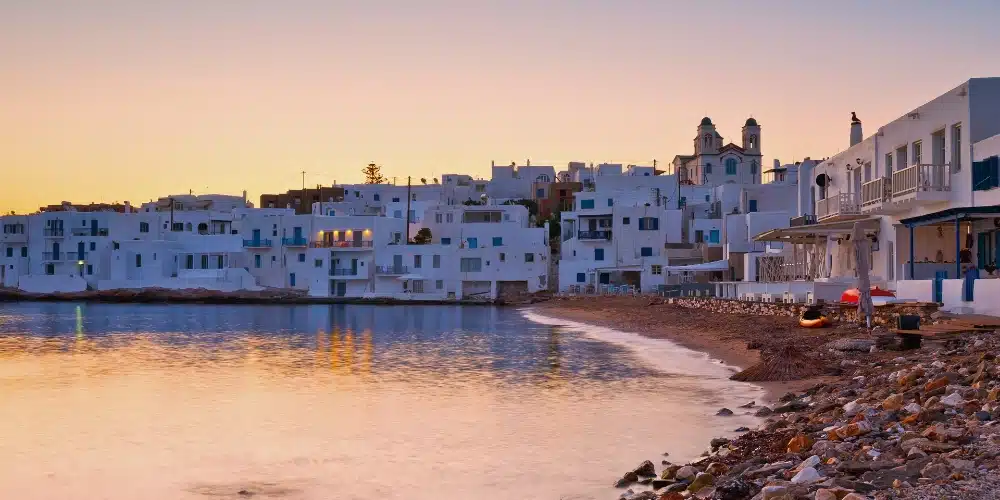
(813, 318)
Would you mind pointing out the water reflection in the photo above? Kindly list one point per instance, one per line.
(203, 401)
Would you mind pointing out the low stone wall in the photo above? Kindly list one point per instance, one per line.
(885, 315)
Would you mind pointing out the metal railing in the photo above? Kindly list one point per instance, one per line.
(921, 178)
(838, 204)
(294, 241)
(341, 244)
(594, 235)
(391, 269)
(802, 220)
(876, 192)
(257, 243)
(89, 231)
(52, 256)
(343, 272)
(53, 232)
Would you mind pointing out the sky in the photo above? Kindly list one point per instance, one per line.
(114, 100)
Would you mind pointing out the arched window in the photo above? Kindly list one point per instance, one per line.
(708, 168)
(542, 178)
(753, 167)
(202, 228)
(708, 140)
(731, 166)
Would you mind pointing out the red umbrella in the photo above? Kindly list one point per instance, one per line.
(851, 296)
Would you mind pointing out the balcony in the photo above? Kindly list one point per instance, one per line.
(802, 220)
(594, 235)
(341, 244)
(295, 241)
(838, 205)
(921, 183)
(89, 231)
(258, 243)
(875, 193)
(53, 232)
(52, 256)
(391, 270)
(343, 272)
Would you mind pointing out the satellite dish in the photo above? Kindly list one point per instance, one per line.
(822, 180)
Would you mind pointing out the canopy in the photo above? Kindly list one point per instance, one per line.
(719, 265)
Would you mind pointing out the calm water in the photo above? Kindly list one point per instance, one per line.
(345, 402)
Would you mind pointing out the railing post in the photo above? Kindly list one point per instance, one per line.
(911, 253)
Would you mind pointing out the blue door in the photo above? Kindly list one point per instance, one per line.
(297, 233)
(397, 263)
(354, 267)
(604, 278)
(81, 250)
(55, 251)
(291, 279)
(937, 290)
(599, 255)
(753, 206)
(256, 236)
(93, 227)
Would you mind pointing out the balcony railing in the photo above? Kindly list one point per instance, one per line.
(802, 220)
(921, 178)
(344, 272)
(838, 204)
(876, 192)
(594, 235)
(52, 256)
(294, 241)
(258, 243)
(341, 244)
(53, 232)
(89, 231)
(391, 269)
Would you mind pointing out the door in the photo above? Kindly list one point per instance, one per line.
(55, 251)
(354, 267)
(297, 234)
(93, 227)
(983, 250)
(334, 266)
(604, 278)
(291, 279)
(753, 206)
(592, 224)
(256, 235)
(341, 288)
(81, 250)
(397, 263)
(358, 233)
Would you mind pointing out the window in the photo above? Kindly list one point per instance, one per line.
(256, 261)
(10, 252)
(93, 246)
(115, 245)
(625, 221)
(189, 261)
(449, 218)
(377, 197)
(397, 214)
(917, 149)
(498, 241)
(90, 269)
(473, 242)
(868, 172)
(581, 277)
(699, 236)
(888, 164)
(753, 166)
(529, 257)
(707, 198)
(417, 261)
(901, 157)
(50, 269)
(24, 251)
(302, 257)
(713, 236)
(471, 264)
(646, 252)
(218, 261)
(436, 261)
(656, 269)
(649, 223)
(585, 204)
(446, 241)
(143, 227)
(503, 257)
(539, 193)
(395, 199)
(438, 217)
(204, 261)
(956, 147)
(439, 284)
(611, 202)
(598, 254)
(138, 260)
(752, 206)
(731, 165)
(177, 226)
(683, 201)
(318, 263)
(708, 168)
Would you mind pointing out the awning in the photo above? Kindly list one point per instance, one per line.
(718, 265)
(814, 233)
(409, 277)
(950, 215)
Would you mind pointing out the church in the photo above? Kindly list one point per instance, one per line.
(715, 162)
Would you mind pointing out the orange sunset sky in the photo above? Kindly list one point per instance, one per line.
(113, 100)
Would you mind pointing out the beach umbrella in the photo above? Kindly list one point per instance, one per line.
(861, 250)
(851, 296)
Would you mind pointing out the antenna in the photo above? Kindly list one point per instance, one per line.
(303, 180)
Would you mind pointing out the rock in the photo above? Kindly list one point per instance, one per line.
(855, 345)
(677, 487)
(825, 494)
(670, 472)
(936, 384)
(628, 479)
(851, 409)
(717, 469)
(660, 483)
(645, 469)
(725, 412)
(983, 416)
(953, 399)
(854, 496)
(685, 473)
(893, 402)
(763, 412)
(741, 429)
(702, 480)
(791, 407)
(644, 495)
(912, 408)
(807, 475)
(859, 467)
(734, 489)
(718, 442)
(799, 444)
(672, 495)
(935, 471)
(748, 405)
(774, 493)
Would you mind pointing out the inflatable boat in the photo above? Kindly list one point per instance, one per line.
(813, 318)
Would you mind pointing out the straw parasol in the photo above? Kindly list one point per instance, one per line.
(861, 258)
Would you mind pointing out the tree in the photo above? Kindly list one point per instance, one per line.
(423, 236)
(531, 205)
(373, 174)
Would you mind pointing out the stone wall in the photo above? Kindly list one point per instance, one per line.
(885, 315)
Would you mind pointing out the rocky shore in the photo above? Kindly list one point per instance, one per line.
(880, 424)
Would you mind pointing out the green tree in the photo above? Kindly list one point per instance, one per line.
(373, 174)
(423, 236)
(531, 205)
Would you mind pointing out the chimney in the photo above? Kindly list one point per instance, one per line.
(856, 135)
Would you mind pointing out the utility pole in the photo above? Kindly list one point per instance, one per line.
(303, 180)
(408, 209)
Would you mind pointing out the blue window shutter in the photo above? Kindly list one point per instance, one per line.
(446, 241)
(598, 254)
(586, 203)
(656, 224)
(646, 251)
(753, 206)
(642, 223)
(497, 241)
(611, 202)
(581, 277)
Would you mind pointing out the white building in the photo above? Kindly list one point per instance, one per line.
(715, 162)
